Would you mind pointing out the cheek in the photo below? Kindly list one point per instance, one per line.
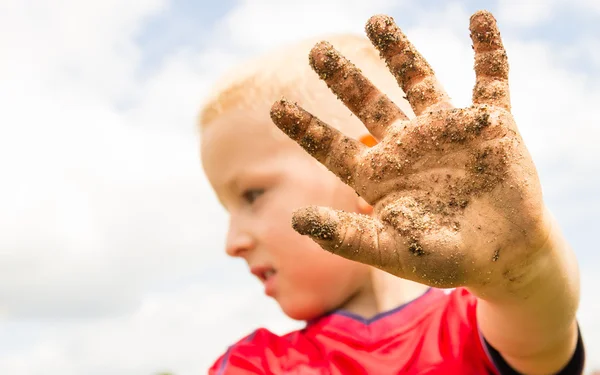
(329, 191)
(329, 270)
(279, 206)
(326, 277)
(315, 285)
(276, 225)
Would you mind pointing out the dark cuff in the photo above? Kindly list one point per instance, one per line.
(574, 367)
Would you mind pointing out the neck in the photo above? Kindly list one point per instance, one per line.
(383, 293)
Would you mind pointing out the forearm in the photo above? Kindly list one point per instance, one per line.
(534, 325)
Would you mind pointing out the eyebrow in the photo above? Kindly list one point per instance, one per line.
(230, 184)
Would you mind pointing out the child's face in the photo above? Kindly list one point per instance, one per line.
(261, 179)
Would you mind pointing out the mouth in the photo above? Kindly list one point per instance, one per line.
(263, 273)
(268, 274)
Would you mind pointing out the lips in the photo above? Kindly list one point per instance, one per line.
(268, 276)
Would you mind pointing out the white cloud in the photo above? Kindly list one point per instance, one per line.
(111, 240)
(179, 331)
(170, 98)
(257, 25)
(88, 44)
(525, 13)
(95, 204)
(532, 12)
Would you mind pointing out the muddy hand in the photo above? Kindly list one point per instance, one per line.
(456, 197)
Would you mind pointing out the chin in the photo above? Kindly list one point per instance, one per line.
(300, 311)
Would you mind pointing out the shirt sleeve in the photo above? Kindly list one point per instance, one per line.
(574, 367)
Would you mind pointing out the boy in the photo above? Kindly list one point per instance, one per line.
(449, 199)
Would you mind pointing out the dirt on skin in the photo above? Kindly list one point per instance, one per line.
(426, 199)
(491, 62)
(355, 90)
(335, 229)
(437, 199)
(317, 138)
(430, 200)
(428, 204)
(312, 224)
(413, 73)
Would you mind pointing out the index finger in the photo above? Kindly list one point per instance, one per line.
(329, 146)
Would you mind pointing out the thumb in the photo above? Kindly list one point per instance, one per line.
(350, 235)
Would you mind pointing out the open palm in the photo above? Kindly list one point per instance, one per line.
(456, 197)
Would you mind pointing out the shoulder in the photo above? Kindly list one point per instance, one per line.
(257, 353)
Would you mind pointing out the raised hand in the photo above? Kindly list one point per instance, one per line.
(456, 197)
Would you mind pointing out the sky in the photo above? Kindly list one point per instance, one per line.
(111, 241)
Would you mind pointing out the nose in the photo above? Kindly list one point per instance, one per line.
(239, 241)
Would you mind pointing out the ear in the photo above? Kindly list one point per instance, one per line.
(364, 207)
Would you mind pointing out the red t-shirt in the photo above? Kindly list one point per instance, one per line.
(435, 334)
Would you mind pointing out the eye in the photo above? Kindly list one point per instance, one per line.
(252, 195)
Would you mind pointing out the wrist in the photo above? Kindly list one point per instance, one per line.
(534, 271)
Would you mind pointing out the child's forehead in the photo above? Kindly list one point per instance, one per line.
(243, 142)
(240, 136)
(249, 126)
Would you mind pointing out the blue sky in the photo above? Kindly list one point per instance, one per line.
(190, 24)
(112, 240)
(183, 24)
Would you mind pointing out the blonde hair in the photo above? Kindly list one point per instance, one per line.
(256, 84)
